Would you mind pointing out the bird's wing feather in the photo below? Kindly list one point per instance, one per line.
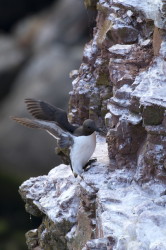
(44, 111)
(50, 127)
(65, 140)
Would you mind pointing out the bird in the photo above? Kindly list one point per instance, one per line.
(78, 142)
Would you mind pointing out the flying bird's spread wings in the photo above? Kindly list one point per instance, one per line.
(44, 111)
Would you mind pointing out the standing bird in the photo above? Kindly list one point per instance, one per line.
(80, 141)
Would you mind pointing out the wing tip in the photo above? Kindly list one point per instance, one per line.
(25, 122)
(14, 118)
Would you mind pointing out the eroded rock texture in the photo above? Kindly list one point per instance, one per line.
(121, 84)
(105, 210)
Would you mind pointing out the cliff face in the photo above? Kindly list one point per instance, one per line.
(121, 84)
(122, 81)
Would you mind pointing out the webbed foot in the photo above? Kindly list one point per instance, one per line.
(89, 163)
(75, 175)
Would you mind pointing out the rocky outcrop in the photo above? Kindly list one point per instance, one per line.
(106, 209)
(120, 201)
(121, 83)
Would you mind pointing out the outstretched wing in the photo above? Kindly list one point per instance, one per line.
(64, 138)
(44, 111)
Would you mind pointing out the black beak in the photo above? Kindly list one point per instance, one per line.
(98, 129)
(102, 131)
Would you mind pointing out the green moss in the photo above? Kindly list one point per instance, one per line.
(153, 115)
(103, 80)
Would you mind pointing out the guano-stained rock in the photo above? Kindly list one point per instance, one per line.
(104, 210)
(120, 202)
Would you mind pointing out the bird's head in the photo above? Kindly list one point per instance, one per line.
(89, 126)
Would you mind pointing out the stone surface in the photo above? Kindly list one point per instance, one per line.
(121, 85)
(106, 209)
(121, 82)
(156, 12)
(59, 212)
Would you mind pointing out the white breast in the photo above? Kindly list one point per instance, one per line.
(81, 152)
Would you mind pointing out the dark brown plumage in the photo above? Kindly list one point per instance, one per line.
(44, 111)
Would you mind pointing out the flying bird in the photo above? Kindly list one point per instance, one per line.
(78, 141)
